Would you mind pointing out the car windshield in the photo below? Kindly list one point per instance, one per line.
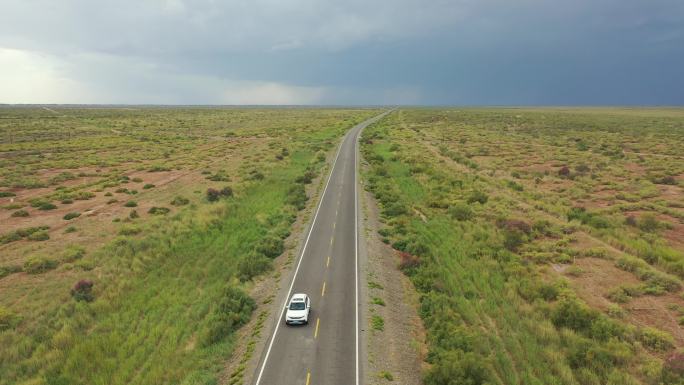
(297, 306)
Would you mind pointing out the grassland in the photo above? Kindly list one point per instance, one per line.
(546, 244)
(129, 237)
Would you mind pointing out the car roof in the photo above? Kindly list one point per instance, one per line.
(299, 297)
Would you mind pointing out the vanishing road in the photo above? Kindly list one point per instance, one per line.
(326, 351)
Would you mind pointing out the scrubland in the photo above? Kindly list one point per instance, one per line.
(547, 245)
(130, 236)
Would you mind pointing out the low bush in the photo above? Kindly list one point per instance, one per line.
(148, 186)
(180, 201)
(71, 215)
(20, 214)
(271, 246)
(41, 235)
(7, 194)
(70, 229)
(131, 204)
(133, 214)
(83, 291)
(296, 196)
(233, 310)
(8, 319)
(572, 314)
(457, 367)
(655, 339)
(461, 212)
(73, 253)
(377, 323)
(37, 265)
(251, 266)
(46, 206)
(649, 223)
(154, 210)
(129, 230)
(478, 196)
(137, 179)
(9, 269)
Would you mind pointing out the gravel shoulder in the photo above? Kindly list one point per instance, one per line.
(396, 353)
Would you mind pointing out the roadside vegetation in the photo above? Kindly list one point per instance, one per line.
(139, 233)
(547, 245)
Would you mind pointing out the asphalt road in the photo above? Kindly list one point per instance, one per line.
(326, 351)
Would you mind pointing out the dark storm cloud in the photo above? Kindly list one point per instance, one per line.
(400, 51)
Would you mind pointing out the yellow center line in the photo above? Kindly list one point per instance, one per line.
(334, 224)
(328, 262)
(318, 321)
(308, 377)
(332, 239)
(323, 289)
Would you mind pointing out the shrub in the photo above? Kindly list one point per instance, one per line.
(131, 204)
(7, 194)
(648, 223)
(109, 202)
(158, 210)
(148, 186)
(377, 323)
(70, 229)
(571, 314)
(83, 291)
(513, 239)
(461, 212)
(271, 246)
(180, 201)
(108, 194)
(213, 194)
(67, 201)
(655, 339)
(378, 301)
(37, 265)
(133, 214)
(296, 196)
(7, 319)
(129, 230)
(226, 192)
(10, 269)
(137, 179)
(252, 266)
(670, 180)
(631, 220)
(71, 215)
(564, 172)
(408, 261)
(457, 368)
(46, 206)
(20, 214)
(479, 197)
(73, 253)
(41, 235)
(234, 310)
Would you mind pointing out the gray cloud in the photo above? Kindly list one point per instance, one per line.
(351, 52)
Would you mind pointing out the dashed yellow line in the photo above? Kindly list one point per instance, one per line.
(332, 239)
(328, 262)
(334, 224)
(308, 377)
(323, 289)
(318, 321)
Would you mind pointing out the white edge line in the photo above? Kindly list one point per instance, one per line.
(301, 257)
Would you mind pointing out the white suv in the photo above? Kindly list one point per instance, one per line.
(298, 310)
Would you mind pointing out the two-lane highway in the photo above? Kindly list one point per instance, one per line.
(327, 350)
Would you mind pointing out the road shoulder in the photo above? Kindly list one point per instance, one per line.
(396, 353)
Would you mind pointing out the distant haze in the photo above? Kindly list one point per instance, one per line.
(465, 52)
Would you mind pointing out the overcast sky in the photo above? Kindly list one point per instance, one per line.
(463, 52)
